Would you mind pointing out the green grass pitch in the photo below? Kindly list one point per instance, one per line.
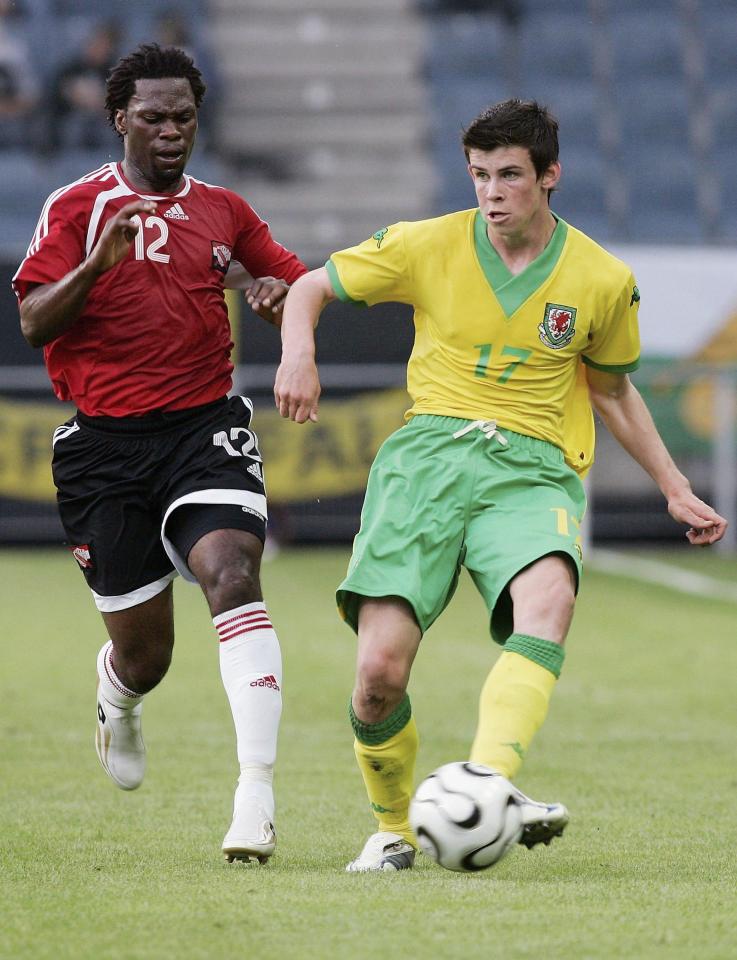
(639, 743)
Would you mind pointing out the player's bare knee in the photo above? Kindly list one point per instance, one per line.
(231, 586)
(381, 680)
(227, 565)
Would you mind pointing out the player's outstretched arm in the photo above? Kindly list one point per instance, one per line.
(297, 385)
(49, 309)
(627, 418)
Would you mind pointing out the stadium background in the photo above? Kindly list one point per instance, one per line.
(334, 118)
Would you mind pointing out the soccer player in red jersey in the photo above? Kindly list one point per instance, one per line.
(159, 472)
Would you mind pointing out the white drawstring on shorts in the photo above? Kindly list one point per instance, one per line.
(487, 427)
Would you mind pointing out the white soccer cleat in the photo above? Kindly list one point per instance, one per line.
(252, 835)
(383, 851)
(541, 821)
(120, 744)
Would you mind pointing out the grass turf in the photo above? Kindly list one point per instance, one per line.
(639, 744)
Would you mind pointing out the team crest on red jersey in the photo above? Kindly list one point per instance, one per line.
(82, 555)
(221, 254)
(558, 326)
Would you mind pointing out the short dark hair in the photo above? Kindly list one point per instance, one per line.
(516, 123)
(149, 62)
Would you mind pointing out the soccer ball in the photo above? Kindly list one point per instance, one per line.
(465, 816)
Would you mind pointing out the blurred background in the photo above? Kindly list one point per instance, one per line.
(334, 118)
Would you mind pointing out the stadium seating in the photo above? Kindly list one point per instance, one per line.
(647, 43)
(477, 42)
(719, 24)
(581, 197)
(327, 123)
(320, 99)
(554, 45)
(21, 205)
(644, 93)
(53, 30)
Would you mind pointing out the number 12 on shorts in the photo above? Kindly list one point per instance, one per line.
(485, 356)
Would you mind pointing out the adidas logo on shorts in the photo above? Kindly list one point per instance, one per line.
(255, 470)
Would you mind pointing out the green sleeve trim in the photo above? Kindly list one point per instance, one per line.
(372, 734)
(338, 288)
(613, 367)
(543, 652)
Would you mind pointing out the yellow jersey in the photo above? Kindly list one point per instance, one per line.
(493, 346)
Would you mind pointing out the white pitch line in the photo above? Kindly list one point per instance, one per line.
(665, 575)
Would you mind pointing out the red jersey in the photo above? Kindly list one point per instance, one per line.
(154, 332)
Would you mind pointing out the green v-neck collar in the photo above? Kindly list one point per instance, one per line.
(512, 291)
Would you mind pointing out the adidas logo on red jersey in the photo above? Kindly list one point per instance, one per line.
(176, 213)
(269, 681)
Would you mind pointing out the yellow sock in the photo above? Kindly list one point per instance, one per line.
(386, 753)
(514, 702)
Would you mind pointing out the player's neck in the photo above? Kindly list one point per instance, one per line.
(142, 184)
(518, 249)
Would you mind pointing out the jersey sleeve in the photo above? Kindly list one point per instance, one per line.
(58, 244)
(259, 252)
(375, 271)
(614, 344)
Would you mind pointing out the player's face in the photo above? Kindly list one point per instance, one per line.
(158, 127)
(511, 196)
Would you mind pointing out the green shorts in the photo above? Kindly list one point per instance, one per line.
(434, 504)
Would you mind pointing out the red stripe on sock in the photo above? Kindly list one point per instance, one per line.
(237, 631)
(259, 622)
(237, 621)
(241, 616)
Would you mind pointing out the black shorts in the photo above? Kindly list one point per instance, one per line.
(120, 479)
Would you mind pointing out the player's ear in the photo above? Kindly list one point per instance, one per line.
(468, 164)
(121, 122)
(550, 178)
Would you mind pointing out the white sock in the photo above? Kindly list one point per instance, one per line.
(111, 687)
(250, 666)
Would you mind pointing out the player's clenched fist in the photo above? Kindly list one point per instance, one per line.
(265, 296)
(118, 234)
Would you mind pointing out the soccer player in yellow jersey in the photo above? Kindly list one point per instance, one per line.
(522, 324)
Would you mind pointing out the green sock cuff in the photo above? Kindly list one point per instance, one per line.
(372, 734)
(544, 652)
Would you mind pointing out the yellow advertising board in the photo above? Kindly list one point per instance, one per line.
(25, 448)
(330, 458)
